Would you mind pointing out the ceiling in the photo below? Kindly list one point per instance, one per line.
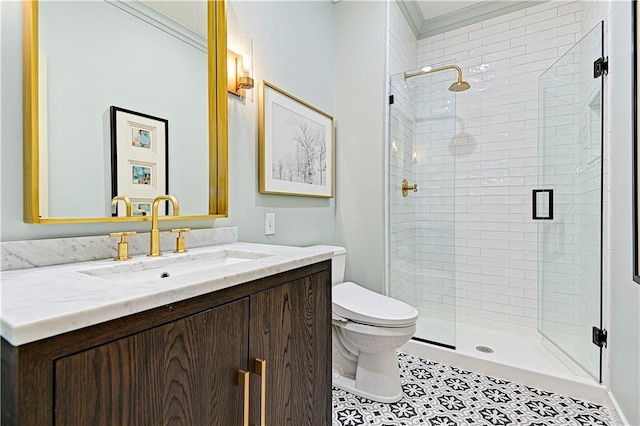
(430, 17)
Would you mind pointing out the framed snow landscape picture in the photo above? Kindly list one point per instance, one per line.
(296, 145)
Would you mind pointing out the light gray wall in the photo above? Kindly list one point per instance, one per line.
(624, 345)
(293, 49)
(129, 69)
(360, 95)
(11, 224)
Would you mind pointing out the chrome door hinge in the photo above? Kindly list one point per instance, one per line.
(599, 337)
(600, 67)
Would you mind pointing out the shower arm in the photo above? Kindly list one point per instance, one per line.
(446, 67)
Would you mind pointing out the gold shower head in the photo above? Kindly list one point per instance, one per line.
(459, 86)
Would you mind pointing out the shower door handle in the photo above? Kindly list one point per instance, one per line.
(541, 215)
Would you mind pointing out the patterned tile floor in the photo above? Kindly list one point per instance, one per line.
(442, 395)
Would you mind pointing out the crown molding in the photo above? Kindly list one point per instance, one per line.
(413, 15)
(423, 28)
(161, 21)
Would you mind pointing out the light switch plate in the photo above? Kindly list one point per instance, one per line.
(269, 224)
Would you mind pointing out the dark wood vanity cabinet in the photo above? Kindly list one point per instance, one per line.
(178, 364)
(291, 329)
(182, 370)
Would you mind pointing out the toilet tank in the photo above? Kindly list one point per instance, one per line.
(337, 263)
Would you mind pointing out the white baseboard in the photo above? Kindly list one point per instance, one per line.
(618, 410)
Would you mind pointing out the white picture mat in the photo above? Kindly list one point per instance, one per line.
(284, 117)
(128, 156)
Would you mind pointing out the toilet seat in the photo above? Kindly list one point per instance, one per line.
(364, 306)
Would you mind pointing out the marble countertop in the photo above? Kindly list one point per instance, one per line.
(46, 301)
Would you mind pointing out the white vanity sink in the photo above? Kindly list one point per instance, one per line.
(173, 265)
(41, 302)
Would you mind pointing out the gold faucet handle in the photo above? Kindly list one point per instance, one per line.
(180, 240)
(406, 187)
(123, 246)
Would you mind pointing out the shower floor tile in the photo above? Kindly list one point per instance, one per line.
(442, 395)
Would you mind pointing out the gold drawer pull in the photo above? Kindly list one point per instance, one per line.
(243, 382)
(260, 367)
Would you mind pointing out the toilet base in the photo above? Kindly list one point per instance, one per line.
(349, 385)
(377, 378)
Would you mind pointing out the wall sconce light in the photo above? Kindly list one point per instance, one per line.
(239, 69)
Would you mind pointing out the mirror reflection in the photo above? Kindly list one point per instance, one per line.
(123, 107)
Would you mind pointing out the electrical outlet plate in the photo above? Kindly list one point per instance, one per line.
(269, 224)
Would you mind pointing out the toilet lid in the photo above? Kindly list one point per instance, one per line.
(358, 304)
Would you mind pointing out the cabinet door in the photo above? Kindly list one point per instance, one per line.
(290, 328)
(181, 373)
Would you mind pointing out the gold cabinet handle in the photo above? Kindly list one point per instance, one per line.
(123, 246)
(243, 382)
(406, 187)
(260, 368)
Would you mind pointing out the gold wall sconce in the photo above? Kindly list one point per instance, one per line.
(239, 69)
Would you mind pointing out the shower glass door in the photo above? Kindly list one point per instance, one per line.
(421, 235)
(568, 202)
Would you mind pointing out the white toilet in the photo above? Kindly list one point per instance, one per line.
(367, 329)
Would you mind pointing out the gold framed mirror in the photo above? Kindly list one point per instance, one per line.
(39, 158)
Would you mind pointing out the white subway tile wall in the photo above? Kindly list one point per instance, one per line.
(434, 166)
(496, 162)
(401, 241)
(402, 48)
(422, 249)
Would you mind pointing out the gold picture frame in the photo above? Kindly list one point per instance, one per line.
(34, 173)
(139, 155)
(296, 142)
(636, 147)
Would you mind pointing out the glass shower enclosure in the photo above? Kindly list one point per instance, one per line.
(568, 202)
(424, 139)
(421, 224)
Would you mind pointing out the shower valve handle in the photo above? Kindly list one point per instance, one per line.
(406, 187)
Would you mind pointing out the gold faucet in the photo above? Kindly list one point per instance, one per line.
(154, 236)
(124, 198)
